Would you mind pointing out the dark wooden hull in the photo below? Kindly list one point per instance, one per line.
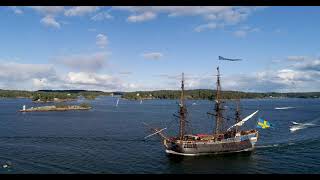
(192, 148)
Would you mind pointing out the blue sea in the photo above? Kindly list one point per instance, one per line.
(110, 138)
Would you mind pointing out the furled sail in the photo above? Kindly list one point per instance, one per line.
(243, 120)
(227, 59)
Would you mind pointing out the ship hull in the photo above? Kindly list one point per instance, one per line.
(195, 148)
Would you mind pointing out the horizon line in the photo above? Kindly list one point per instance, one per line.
(155, 90)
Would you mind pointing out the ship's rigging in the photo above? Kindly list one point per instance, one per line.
(218, 108)
(220, 140)
(182, 111)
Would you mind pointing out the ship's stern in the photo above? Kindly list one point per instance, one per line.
(254, 138)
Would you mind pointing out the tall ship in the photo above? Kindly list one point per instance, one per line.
(221, 140)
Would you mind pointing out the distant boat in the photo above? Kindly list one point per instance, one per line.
(117, 102)
(194, 103)
(141, 101)
(282, 108)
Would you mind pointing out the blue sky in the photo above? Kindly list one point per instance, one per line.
(147, 48)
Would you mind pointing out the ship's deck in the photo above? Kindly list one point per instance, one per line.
(215, 137)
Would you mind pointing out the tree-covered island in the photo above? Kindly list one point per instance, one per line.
(69, 95)
(52, 95)
(210, 94)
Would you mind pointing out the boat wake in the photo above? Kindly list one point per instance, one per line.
(276, 145)
(284, 108)
(266, 146)
(298, 126)
(303, 126)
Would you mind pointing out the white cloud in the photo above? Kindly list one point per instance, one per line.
(102, 16)
(48, 10)
(80, 10)
(40, 83)
(304, 76)
(84, 62)
(21, 72)
(220, 15)
(224, 14)
(240, 33)
(206, 11)
(234, 16)
(282, 80)
(141, 17)
(211, 17)
(15, 75)
(88, 78)
(105, 82)
(203, 27)
(152, 55)
(177, 10)
(296, 58)
(16, 10)
(311, 65)
(244, 31)
(101, 40)
(86, 81)
(50, 22)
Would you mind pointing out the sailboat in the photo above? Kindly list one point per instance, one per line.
(117, 102)
(219, 141)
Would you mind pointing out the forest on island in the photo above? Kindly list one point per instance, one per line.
(210, 94)
(51, 95)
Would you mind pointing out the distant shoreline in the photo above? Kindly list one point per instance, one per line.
(210, 94)
(194, 94)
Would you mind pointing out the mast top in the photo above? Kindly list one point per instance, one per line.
(182, 82)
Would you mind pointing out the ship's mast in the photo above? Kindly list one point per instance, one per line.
(237, 114)
(218, 108)
(182, 111)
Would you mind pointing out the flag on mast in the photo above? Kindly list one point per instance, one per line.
(227, 59)
(262, 123)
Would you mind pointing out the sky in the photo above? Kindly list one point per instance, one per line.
(130, 48)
